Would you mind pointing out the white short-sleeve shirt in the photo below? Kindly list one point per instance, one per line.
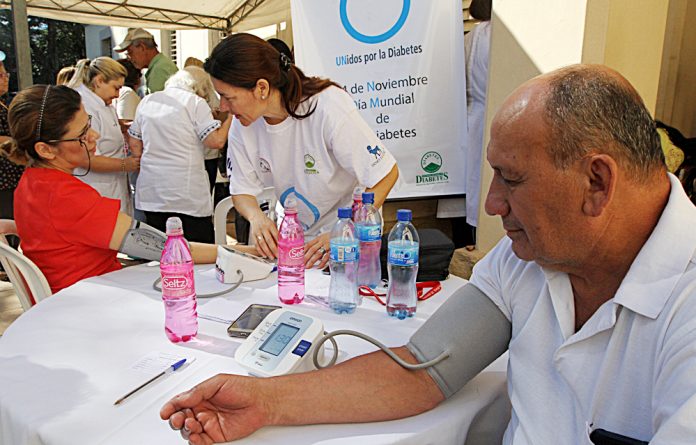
(631, 369)
(127, 103)
(110, 144)
(320, 158)
(172, 125)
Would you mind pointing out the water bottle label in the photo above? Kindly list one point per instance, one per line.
(296, 253)
(175, 283)
(403, 255)
(368, 233)
(344, 253)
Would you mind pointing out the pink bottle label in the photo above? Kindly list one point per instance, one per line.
(296, 253)
(176, 282)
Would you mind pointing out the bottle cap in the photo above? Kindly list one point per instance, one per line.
(345, 212)
(290, 205)
(357, 193)
(174, 226)
(368, 198)
(403, 215)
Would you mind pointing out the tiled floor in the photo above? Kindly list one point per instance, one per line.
(10, 308)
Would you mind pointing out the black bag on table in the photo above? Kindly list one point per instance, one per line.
(434, 255)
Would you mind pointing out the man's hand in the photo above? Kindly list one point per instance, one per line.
(221, 409)
(319, 249)
(266, 235)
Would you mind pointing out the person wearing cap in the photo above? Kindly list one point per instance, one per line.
(141, 50)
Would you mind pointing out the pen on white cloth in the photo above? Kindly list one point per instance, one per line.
(169, 370)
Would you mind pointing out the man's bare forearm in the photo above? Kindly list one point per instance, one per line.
(368, 388)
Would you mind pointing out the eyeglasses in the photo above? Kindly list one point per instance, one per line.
(4, 75)
(82, 138)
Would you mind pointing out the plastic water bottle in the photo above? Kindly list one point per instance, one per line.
(369, 229)
(357, 201)
(345, 248)
(402, 264)
(291, 262)
(178, 290)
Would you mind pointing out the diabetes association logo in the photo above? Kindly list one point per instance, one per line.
(379, 38)
(309, 164)
(431, 163)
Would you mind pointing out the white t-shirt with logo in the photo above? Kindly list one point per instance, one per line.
(173, 125)
(320, 158)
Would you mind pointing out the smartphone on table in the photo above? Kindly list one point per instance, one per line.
(249, 320)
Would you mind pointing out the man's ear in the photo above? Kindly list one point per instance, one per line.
(601, 171)
(44, 151)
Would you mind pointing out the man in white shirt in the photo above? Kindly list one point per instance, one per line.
(592, 292)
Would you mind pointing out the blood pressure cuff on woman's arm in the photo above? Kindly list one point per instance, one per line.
(471, 328)
(143, 241)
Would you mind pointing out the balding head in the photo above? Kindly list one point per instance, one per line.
(593, 109)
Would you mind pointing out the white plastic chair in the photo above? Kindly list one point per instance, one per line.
(223, 208)
(29, 282)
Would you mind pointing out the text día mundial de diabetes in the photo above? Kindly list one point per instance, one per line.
(382, 88)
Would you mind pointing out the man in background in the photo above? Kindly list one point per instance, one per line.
(141, 49)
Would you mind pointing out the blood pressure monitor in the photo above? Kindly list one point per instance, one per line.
(281, 344)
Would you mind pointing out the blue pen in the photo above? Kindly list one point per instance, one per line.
(169, 370)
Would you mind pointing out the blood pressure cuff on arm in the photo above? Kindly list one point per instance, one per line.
(471, 328)
(143, 241)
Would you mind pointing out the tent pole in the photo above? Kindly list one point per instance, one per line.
(22, 48)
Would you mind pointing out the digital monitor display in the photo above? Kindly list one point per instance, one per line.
(279, 339)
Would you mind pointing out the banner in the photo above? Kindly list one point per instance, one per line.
(402, 61)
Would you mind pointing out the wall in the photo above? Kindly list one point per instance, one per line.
(634, 43)
(528, 38)
(191, 43)
(676, 102)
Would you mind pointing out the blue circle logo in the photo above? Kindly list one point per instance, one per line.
(378, 38)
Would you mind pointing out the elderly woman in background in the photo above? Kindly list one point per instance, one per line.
(173, 128)
(98, 81)
(9, 171)
(68, 229)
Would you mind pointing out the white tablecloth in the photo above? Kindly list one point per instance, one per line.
(65, 361)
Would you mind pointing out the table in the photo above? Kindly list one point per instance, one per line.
(64, 362)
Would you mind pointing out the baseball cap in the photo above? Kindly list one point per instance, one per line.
(133, 34)
(2, 56)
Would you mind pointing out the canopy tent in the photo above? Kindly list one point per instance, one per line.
(222, 15)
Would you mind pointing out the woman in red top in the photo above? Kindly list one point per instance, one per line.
(68, 229)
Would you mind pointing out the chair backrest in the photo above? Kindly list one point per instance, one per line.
(29, 282)
(225, 205)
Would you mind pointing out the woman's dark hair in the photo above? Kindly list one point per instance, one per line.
(133, 77)
(242, 59)
(481, 9)
(282, 48)
(55, 108)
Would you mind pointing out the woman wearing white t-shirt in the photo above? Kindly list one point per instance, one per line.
(172, 129)
(98, 81)
(299, 134)
(128, 100)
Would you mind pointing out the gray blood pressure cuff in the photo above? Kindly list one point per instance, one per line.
(143, 241)
(471, 328)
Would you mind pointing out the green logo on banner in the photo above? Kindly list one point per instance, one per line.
(431, 162)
